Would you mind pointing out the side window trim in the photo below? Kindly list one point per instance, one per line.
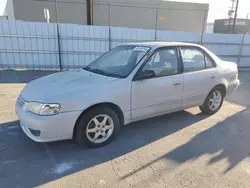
(153, 53)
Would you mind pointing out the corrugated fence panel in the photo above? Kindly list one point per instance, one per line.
(7, 28)
(245, 54)
(224, 50)
(226, 46)
(127, 35)
(34, 45)
(28, 45)
(222, 38)
(117, 35)
(244, 62)
(82, 44)
(172, 36)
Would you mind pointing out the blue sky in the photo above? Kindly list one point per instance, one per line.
(218, 8)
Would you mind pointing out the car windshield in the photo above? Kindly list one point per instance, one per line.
(119, 62)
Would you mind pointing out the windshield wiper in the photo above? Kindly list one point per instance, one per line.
(86, 68)
(98, 71)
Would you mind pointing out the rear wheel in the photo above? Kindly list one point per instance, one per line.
(213, 101)
(97, 127)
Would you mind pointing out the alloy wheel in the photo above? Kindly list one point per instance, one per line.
(215, 100)
(100, 128)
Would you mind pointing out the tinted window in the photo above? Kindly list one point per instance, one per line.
(164, 62)
(193, 59)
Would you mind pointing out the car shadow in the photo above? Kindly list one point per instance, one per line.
(228, 139)
(46, 162)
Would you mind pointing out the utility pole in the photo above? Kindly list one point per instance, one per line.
(58, 36)
(89, 12)
(230, 15)
(235, 15)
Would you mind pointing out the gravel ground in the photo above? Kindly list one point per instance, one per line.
(183, 149)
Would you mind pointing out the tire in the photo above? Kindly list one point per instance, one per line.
(90, 121)
(207, 108)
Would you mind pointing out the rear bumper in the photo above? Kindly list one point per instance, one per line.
(232, 87)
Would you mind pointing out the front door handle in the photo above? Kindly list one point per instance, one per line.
(212, 77)
(177, 83)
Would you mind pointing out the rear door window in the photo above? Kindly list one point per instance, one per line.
(193, 59)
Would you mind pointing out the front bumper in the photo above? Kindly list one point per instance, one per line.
(50, 128)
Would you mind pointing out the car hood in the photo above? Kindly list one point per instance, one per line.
(50, 88)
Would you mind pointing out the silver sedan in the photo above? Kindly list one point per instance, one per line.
(129, 83)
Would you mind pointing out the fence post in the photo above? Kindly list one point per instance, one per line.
(204, 26)
(109, 28)
(156, 23)
(58, 37)
(240, 51)
(241, 45)
(59, 47)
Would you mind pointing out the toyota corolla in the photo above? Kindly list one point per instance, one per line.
(129, 83)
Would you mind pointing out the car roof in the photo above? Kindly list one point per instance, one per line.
(162, 44)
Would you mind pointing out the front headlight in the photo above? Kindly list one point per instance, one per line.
(42, 109)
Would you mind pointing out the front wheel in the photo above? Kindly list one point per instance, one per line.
(97, 127)
(213, 101)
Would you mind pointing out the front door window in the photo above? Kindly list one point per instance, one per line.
(164, 62)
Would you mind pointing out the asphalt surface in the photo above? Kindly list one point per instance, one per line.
(183, 149)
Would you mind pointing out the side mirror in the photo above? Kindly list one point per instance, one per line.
(145, 74)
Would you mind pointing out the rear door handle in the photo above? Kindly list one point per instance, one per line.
(212, 77)
(177, 83)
